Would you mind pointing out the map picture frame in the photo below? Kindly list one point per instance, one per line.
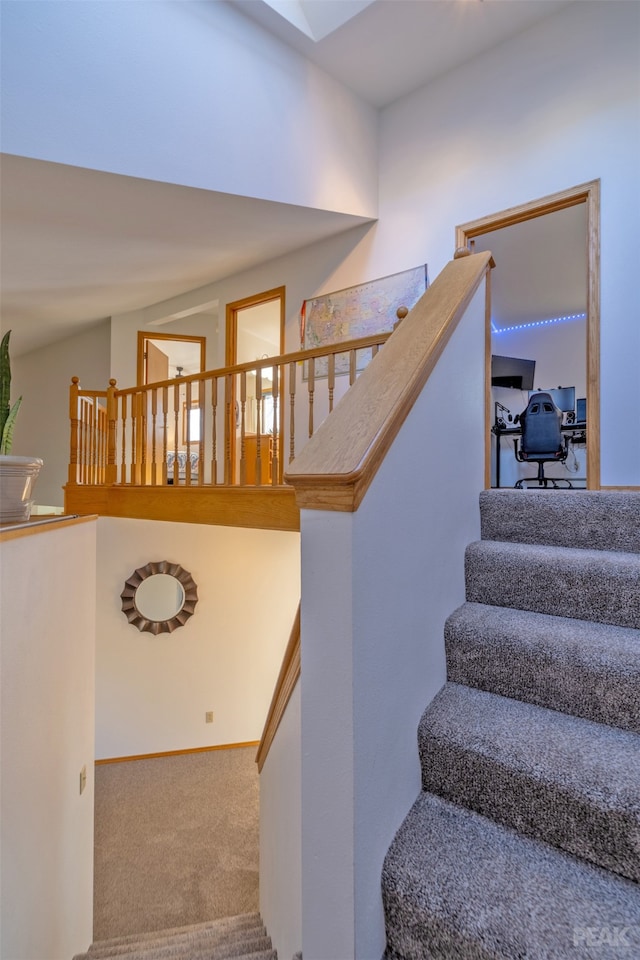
(359, 311)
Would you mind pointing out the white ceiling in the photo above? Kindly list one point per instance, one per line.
(390, 47)
(80, 245)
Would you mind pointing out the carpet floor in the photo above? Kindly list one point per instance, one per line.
(176, 841)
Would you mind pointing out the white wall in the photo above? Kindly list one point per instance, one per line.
(554, 107)
(152, 692)
(308, 272)
(281, 834)
(47, 694)
(155, 89)
(43, 378)
(546, 111)
(377, 586)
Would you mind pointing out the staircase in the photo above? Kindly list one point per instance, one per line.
(242, 938)
(525, 839)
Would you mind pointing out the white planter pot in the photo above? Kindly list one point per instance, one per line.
(17, 478)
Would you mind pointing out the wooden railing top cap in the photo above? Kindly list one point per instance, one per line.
(353, 440)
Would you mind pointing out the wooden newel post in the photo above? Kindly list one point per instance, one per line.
(74, 391)
(112, 416)
(401, 313)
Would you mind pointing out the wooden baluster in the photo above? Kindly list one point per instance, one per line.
(176, 424)
(134, 423)
(214, 430)
(138, 452)
(258, 425)
(111, 474)
(80, 440)
(331, 379)
(86, 441)
(311, 386)
(165, 425)
(352, 367)
(187, 430)
(72, 474)
(123, 414)
(143, 438)
(275, 442)
(154, 423)
(103, 444)
(243, 413)
(292, 410)
(83, 442)
(97, 451)
(96, 440)
(229, 426)
(90, 439)
(202, 426)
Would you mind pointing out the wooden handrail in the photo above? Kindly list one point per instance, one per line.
(142, 435)
(298, 356)
(333, 471)
(285, 684)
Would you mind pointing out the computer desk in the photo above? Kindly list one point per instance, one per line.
(579, 429)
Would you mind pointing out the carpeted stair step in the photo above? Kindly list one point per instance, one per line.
(585, 519)
(587, 669)
(457, 885)
(223, 927)
(231, 937)
(256, 949)
(560, 779)
(593, 585)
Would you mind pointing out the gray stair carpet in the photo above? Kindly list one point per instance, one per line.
(601, 585)
(525, 839)
(588, 669)
(598, 519)
(242, 938)
(562, 779)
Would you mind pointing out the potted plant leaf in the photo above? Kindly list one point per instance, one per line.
(17, 474)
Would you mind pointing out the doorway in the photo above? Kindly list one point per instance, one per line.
(163, 356)
(498, 230)
(255, 331)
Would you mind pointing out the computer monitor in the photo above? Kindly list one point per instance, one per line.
(563, 397)
(512, 372)
(581, 410)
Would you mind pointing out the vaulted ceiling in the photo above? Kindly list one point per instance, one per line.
(79, 245)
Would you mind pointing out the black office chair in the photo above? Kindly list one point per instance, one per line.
(542, 440)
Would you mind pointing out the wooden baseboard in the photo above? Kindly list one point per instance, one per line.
(178, 753)
(629, 487)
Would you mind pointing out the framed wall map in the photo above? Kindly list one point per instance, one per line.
(359, 311)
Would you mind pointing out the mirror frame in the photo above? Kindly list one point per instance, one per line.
(128, 595)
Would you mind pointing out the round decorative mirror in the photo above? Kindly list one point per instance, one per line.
(159, 597)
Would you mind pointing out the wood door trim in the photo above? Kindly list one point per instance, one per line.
(145, 335)
(231, 350)
(588, 193)
(231, 343)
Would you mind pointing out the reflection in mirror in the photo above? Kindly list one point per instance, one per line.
(159, 597)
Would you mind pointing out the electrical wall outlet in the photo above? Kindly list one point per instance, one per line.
(83, 779)
(208, 717)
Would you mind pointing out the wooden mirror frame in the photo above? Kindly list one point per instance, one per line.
(135, 617)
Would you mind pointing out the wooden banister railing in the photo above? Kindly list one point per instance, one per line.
(236, 426)
(333, 471)
(285, 684)
(89, 435)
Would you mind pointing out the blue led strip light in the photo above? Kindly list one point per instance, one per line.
(537, 323)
